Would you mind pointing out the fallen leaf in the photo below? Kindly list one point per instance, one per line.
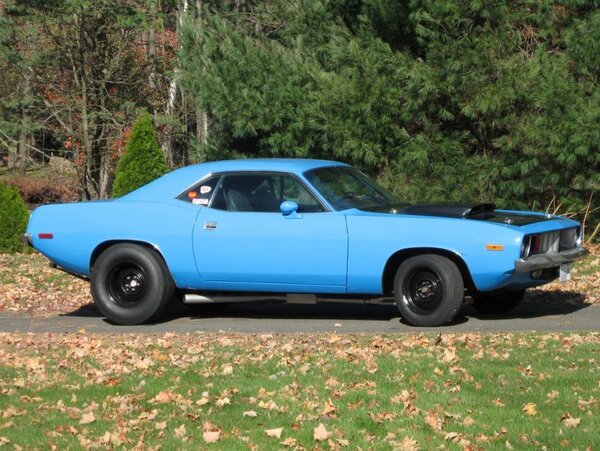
(223, 401)
(250, 413)
(211, 436)
(530, 409)
(163, 397)
(290, 441)
(161, 426)
(320, 433)
(87, 418)
(570, 421)
(274, 433)
(434, 420)
(408, 444)
(180, 432)
(329, 410)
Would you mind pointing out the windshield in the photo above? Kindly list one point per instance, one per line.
(346, 187)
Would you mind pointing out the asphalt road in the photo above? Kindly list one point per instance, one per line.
(292, 318)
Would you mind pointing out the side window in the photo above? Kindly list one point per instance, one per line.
(292, 189)
(261, 193)
(201, 193)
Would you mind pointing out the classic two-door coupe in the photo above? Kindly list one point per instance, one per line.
(303, 230)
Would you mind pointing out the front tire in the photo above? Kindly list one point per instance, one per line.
(131, 284)
(429, 290)
(498, 302)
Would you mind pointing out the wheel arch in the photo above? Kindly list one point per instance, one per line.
(396, 259)
(106, 244)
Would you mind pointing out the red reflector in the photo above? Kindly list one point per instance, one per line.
(45, 236)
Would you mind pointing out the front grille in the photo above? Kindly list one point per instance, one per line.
(569, 239)
(544, 242)
(557, 241)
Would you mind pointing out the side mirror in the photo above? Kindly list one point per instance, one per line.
(288, 207)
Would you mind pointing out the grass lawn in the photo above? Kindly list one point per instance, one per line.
(414, 391)
(456, 391)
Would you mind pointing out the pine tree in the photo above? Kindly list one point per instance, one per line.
(441, 99)
(13, 219)
(143, 160)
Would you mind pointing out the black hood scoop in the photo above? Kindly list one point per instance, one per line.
(481, 212)
(451, 210)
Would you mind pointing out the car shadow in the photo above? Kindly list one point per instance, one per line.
(538, 303)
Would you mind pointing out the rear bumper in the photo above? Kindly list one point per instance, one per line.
(26, 238)
(548, 260)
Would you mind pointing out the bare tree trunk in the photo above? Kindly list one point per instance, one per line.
(202, 126)
(167, 141)
(22, 155)
(89, 185)
(151, 55)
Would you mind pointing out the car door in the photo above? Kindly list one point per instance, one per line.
(243, 242)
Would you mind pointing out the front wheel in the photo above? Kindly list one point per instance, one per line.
(428, 289)
(498, 302)
(131, 284)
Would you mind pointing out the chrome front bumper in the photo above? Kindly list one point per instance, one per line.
(26, 238)
(548, 260)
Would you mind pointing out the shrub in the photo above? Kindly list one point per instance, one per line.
(38, 191)
(143, 160)
(13, 219)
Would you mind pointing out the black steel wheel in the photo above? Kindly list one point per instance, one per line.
(428, 290)
(131, 284)
(498, 302)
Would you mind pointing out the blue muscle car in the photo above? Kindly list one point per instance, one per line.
(301, 230)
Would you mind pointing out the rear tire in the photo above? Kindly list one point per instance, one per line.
(429, 290)
(498, 302)
(131, 284)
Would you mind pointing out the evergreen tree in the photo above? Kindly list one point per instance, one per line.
(143, 160)
(442, 100)
(13, 219)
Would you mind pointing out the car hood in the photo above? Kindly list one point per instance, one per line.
(476, 212)
(479, 212)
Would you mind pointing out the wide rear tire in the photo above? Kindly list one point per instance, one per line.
(131, 284)
(429, 290)
(498, 302)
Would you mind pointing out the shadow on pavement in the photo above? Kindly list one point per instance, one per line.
(537, 304)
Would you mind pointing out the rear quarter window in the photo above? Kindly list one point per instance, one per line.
(201, 193)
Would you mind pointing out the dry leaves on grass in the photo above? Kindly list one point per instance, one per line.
(274, 433)
(320, 433)
(29, 285)
(181, 412)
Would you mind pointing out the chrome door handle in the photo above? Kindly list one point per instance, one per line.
(210, 225)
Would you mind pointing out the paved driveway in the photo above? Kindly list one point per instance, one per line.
(340, 318)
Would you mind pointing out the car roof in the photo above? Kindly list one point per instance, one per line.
(174, 183)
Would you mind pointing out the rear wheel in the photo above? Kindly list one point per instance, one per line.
(131, 284)
(428, 289)
(498, 302)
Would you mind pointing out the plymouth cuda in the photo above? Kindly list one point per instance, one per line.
(301, 231)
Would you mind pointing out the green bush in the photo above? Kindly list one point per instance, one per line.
(143, 160)
(13, 219)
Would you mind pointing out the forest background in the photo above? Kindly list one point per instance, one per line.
(439, 100)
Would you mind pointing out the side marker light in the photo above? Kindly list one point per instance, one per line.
(494, 247)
